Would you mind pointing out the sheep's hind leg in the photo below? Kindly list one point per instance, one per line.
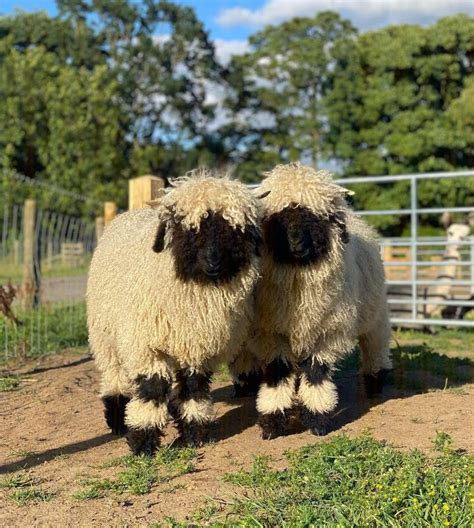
(246, 375)
(275, 398)
(317, 394)
(376, 361)
(193, 405)
(147, 413)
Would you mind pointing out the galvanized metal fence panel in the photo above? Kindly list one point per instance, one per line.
(63, 247)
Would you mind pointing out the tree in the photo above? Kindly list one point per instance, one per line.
(62, 125)
(76, 45)
(392, 109)
(163, 59)
(279, 89)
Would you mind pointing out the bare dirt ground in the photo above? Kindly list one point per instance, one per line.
(52, 429)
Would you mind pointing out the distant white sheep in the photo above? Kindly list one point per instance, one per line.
(322, 289)
(169, 296)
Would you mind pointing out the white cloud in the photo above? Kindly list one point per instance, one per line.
(365, 14)
(226, 48)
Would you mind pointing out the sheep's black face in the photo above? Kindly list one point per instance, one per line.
(297, 236)
(216, 252)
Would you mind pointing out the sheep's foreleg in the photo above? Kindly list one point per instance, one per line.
(147, 413)
(275, 398)
(317, 394)
(193, 405)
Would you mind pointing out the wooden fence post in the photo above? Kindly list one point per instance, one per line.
(143, 189)
(99, 227)
(31, 264)
(110, 212)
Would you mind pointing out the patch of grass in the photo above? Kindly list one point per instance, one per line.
(24, 496)
(10, 383)
(23, 453)
(24, 489)
(140, 473)
(11, 272)
(450, 342)
(355, 482)
(18, 480)
(93, 489)
(48, 329)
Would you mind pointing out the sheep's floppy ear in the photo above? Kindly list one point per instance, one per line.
(339, 219)
(159, 243)
(256, 238)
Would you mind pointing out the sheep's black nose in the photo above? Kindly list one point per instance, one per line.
(296, 242)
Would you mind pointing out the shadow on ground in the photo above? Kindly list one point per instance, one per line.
(35, 459)
(417, 369)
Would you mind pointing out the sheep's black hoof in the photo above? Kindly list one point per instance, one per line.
(247, 384)
(114, 412)
(273, 425)
(144, 441)
(374, 383)
(193, 433)
(319, 424)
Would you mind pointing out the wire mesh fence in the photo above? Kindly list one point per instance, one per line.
(430, 280)
(44, 257)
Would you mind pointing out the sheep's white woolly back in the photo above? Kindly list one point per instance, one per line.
(141, 317)
(192, 196)
(321, 309)
(295, 183)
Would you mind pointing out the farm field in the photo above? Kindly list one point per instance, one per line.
(60, 467)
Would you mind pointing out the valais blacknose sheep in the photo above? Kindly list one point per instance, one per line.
(169, 296)
(322, 288)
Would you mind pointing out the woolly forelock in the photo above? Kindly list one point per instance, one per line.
(191, 197)
(297, 183)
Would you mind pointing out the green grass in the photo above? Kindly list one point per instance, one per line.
(351, 482)
(10, 383)
(46, 330)
(11, 272)
(450, 342)
(139, 474)
(24, 490)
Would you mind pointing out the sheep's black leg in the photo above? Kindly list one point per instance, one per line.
(317, 394)
(193, 405)
(247, 384)
(114, 412)
(275, 398)
(147, 413)
(374, 383)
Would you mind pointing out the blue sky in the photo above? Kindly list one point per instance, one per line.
(231, 21)
(207, 12)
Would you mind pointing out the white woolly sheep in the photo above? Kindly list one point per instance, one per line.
(322, 288)
(169, 296)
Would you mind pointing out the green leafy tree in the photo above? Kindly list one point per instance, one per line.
(164, 60)
(279, 91)
(394, 108)
(62, 125)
